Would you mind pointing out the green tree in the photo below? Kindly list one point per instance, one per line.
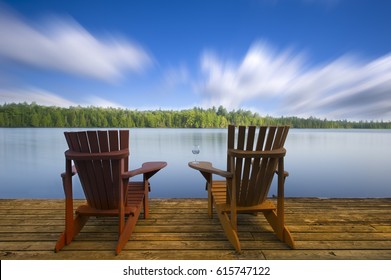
(35, 120)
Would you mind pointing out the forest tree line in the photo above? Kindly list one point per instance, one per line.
(33, 115)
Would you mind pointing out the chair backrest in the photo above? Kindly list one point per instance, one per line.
(100, 177)
(253, 175)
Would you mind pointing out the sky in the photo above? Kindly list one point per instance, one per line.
(321, 58)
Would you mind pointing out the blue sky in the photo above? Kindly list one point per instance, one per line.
(323, 58)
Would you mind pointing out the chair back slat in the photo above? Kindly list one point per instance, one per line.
(113, 140)
(267, 168)
(100, 179)
(239, 161)
(96, 171)
(253, 176)
(110, 189)
(80, 144)
(230, 144)
(124, 144)
(243, 194)
(261, 138)
(115, 165)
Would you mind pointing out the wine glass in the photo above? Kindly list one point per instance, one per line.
(195, 150)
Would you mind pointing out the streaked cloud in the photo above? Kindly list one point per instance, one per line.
(30, 95)
(261, 73)
(47, 98)
(102, 102)
(66, 46)
(348, 87)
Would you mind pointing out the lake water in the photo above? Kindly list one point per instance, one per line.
(321, 163)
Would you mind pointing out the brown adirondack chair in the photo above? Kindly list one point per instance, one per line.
(101, 160)
(251, 164)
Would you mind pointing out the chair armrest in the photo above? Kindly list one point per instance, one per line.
(206, 167)
(146, 168)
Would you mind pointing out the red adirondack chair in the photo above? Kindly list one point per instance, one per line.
(101, 160)
(251, 164)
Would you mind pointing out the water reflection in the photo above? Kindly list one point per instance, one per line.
(321, 163)
(338, 163)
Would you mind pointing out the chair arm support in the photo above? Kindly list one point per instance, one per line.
(147, 168)
(74, 172)
(286, 173)
(257, 154)
(206, 167)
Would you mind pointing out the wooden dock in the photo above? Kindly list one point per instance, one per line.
(180, 229)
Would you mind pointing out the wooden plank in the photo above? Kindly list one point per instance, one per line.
(344, 245)
(322, 228)
(336, 236)
(136, 255)
(327, 254)
(204, 255)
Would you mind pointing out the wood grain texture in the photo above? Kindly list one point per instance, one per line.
(182, 229)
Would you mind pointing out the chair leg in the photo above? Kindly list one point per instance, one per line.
(146, 208)
(210, 206)
(79, 223)
(60, 243)
(229, 230)
(67, 236)
(145, 200)
(289, 238)
(128, 229)
(210, 198)
(279, 228)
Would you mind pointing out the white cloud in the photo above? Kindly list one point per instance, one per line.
(47, 98)
(66, 46)
(261, 73)
(30, 95)
(101, 102)
(344, 88)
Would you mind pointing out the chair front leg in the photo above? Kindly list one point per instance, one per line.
(67, 185)
(146, 198)
(233, 215)
(280, 198)
(209, 186)
(121, 206)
